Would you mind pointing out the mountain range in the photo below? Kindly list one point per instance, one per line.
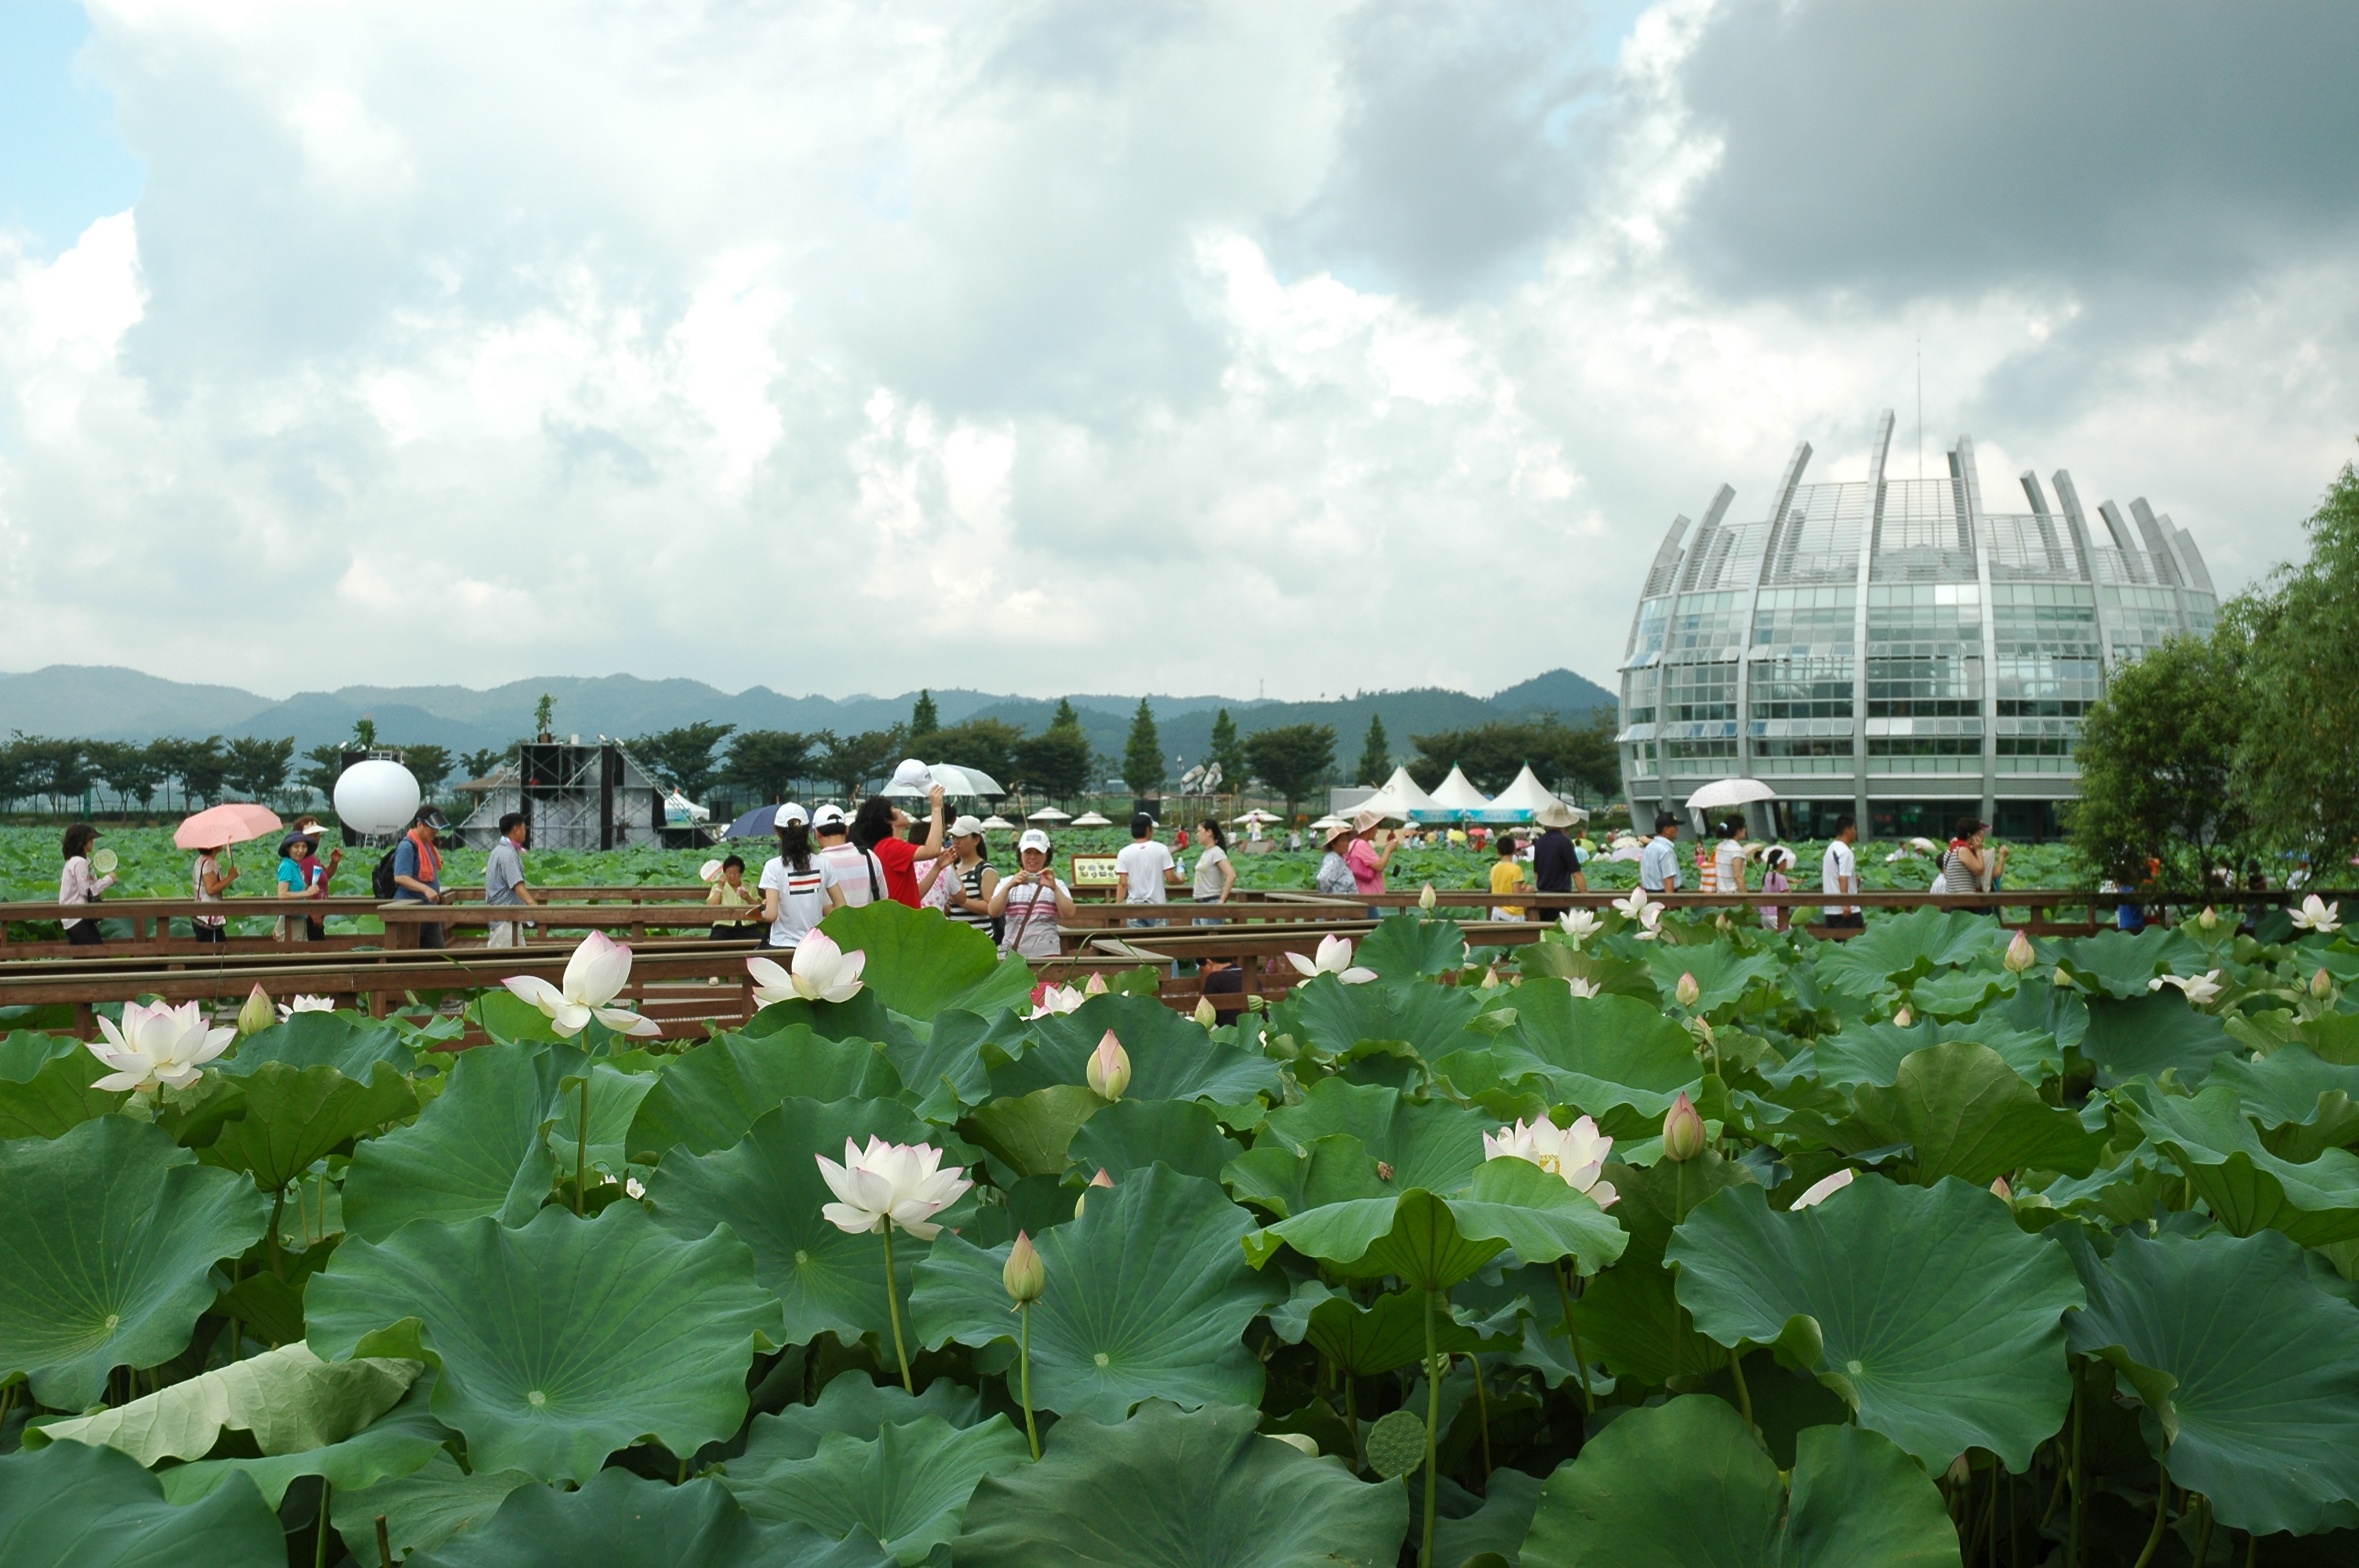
(108, 703)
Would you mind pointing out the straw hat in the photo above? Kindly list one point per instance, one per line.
(1340, 831)
(1555, 813)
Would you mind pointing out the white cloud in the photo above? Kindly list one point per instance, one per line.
(862, 347)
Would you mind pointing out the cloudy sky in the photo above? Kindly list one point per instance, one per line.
(1068, 345)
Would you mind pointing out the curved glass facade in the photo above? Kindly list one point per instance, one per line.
(1892, 649)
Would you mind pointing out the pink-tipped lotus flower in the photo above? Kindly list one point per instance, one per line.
(888, 1184)
(1096, 986)
(1819, 1192)
(2019, 956)
(1577, 1153)
(157, 1045)
(1334, 959)
(1687, 992)
(820, 971)
(254, 1016)
(1683, 1131)
(594, 975)
(1024, 1274)
(1108, 1073)
(1049, 1000)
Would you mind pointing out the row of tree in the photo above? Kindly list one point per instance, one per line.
(2239, 750)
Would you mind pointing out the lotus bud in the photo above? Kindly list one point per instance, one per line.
(2001, 1191)
(1491, 978)
(1097, 986)
(1683, 1131)
(1903, 1017)
(256, 1014)
(1206, 1013)
(2018, 953)
(2321, 984)
(1425, 899)
(2210, 919)
(1025, 1275)
(1100, 1180)
(1109, 1069)
(1687, 991)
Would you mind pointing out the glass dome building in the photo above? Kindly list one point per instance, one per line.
(1893, 649)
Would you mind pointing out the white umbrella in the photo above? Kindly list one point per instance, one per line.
(1730, 792)
(997, 823)
(1049, 813)
(1090, 819)
(1258, 815)
(1324, 823)
(957, 780)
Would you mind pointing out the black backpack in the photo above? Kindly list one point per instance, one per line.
(381, 880)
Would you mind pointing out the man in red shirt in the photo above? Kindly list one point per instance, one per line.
(878, 827)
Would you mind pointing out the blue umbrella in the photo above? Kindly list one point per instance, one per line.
(762, 822)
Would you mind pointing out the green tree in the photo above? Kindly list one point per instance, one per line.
(60, 770)
(1142, 753)
(2297, 641)
(2158, 755)
(849, 762)
(429, 765)
(202, 767)
(131, 771)
(1056, 761)
(989, 744)
(767, 762)
(925, 718)
(1227, 752)
(327, 765)
(544, 714)
(258, 767)
(484, 763)
(365, 733)
(682, 757)
(1564, 759)
(1375, 753)
(16, 768)
(1292, 759)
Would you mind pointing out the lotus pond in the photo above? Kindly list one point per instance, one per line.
(1711, 1247)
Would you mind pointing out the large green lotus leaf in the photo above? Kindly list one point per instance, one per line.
(395, 1443)
(857, 1407)
(1931, 1310)
(1685, 1486)
(1430, 1020)
(110, 1232)
(2249, 1373)
(1364, 1342)
(2148, 1035)
(1599, 1054)
(2120, 964)
(1610, 973)
(864, 1017)
(920, 962)
(421, 1509)
(2246, 1187)
(1148, 1294)
(1169, 1490)
(1721, 973)
(1862, 1052)
(477, 1149)
(561, 1342)
(1407, 947)
(296, 1116)
(769, 1191)
(1033, 1133)
(1968, 1114)
(24, 1052)
(2292, 1090)
(1956, 993)
(1171, 1055)
(621, 1520)
(1628, 1315)
(1430, 1242)
(287, 1398)
(2040, 1006)
(74, 1506)
(1135, 1133)
(2334, 1036)
(55, 1092)
(1899, 947)
(707, 1098)
(906, 1486)
(345, 1040)
(615, 1096)
(947, 1070)
(1335, 1169)
(1428, 1143)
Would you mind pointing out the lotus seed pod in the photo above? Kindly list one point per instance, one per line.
(1025, 1275)
(1683, 1131)
(256, 1014)
(1396, 1444)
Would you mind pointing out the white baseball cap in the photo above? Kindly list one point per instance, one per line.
(967, 828)
(828, 816)
(912, 777)
(1033, 839)
(790, 811)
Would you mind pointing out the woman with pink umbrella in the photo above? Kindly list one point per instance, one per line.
(210, 832)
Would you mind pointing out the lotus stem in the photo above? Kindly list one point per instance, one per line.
(278, 1208)
(1023, 1360)
(1483, 1413)
(2203, 1529)
(893, 1308)
(384, 1544)
(2079, 1397)
(1352, 1420)
(1432, 1418)
(1744, 1394)
(1572, 1337)
(2162, 1515)
(320, 1535)
(582, 1153)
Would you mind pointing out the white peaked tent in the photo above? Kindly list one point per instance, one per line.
(1525, 796)
(1398, 797)
(1456, 797)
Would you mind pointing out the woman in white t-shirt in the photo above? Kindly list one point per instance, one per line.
(1031, 902)
(799, 887)
(1216, 873)
(1728, 860)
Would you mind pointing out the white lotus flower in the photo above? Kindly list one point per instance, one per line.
(1634, 908)
(1581, 988)
(1049, 998)
(1819, 1192)
(2201, 991)
(1334, 959)
(888, 1184)
(599, 969)
(1579, 924)
(1577, 1152)
(2317, 914)
(287, 1009)
(156, 1044)
(634, 1187)
(821, 972)
(1650, 921)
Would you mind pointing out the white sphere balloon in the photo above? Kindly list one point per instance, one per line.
(376, 797)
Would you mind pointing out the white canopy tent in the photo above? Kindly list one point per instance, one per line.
(1454, 797)
(1525, 795)
(1091, 819)
(1399, 796)
(997, 823)
(1049, 813)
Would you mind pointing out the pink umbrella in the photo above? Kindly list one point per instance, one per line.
(233, 823)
